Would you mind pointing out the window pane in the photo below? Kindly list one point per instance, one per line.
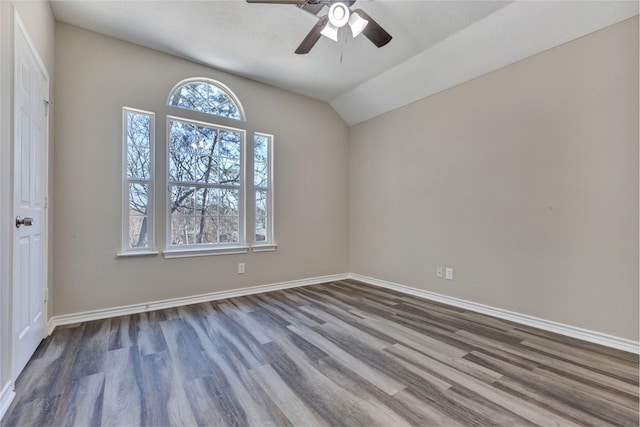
(230, 144)
(229, 171)
(228, 229)
(260, 174)
(261, 228)
(182, 230)
(207, 170)
(138, 199)
(228, 204)
(181, 167)
(261, 203)
(261, 215)
(138, 221)
(205, 97)
(138, 129)
(190, 96)
(182, 137)
(207, 201)
(182, 200)
(205, 140)
(229, 109)
(138, 162)
(138, 231)
(261, 148)
(207, 230)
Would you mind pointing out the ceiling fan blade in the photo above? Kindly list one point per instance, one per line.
(312, 38)
(278, 1)
(373, 31)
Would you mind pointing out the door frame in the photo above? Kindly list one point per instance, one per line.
(19, 26)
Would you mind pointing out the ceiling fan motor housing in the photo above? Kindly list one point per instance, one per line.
(339, 14)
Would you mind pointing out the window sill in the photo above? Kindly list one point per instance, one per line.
(266, 247)
(194, 252)
(136, 253)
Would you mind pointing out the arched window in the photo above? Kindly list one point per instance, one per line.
(216, 202)
(206, 96)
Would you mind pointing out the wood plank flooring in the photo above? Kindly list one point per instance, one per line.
(340, 353)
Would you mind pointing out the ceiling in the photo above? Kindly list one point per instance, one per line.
(436, 44)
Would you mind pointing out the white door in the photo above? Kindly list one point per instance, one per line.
(29, 193)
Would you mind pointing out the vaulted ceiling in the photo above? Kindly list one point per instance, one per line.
(436, 44)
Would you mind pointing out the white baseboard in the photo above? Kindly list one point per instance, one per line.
(105, 313)
(6, 397)
(524, 319)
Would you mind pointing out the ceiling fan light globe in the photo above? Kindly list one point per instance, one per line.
(330, 32)
(339, 14)
(357, 24)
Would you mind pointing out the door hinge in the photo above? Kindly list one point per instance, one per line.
(46, 294)
(46, 202)
(47, 104)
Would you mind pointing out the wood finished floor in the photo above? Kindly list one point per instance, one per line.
(341, 353)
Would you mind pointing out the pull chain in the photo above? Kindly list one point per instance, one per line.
(343, 35)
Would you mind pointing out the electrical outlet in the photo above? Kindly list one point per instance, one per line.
(449, 273)
(241, 268)
(439, 273)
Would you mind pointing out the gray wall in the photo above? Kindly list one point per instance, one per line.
(99, 75)
(524, 180)
(40, 25)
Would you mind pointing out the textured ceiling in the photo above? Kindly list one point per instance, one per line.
(258, 40)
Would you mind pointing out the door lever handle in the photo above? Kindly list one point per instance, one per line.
(27, 222)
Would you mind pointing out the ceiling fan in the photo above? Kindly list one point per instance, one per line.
(339, 15)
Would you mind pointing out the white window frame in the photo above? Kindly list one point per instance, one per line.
(126, 250)
(240, 247)
(269, 243)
